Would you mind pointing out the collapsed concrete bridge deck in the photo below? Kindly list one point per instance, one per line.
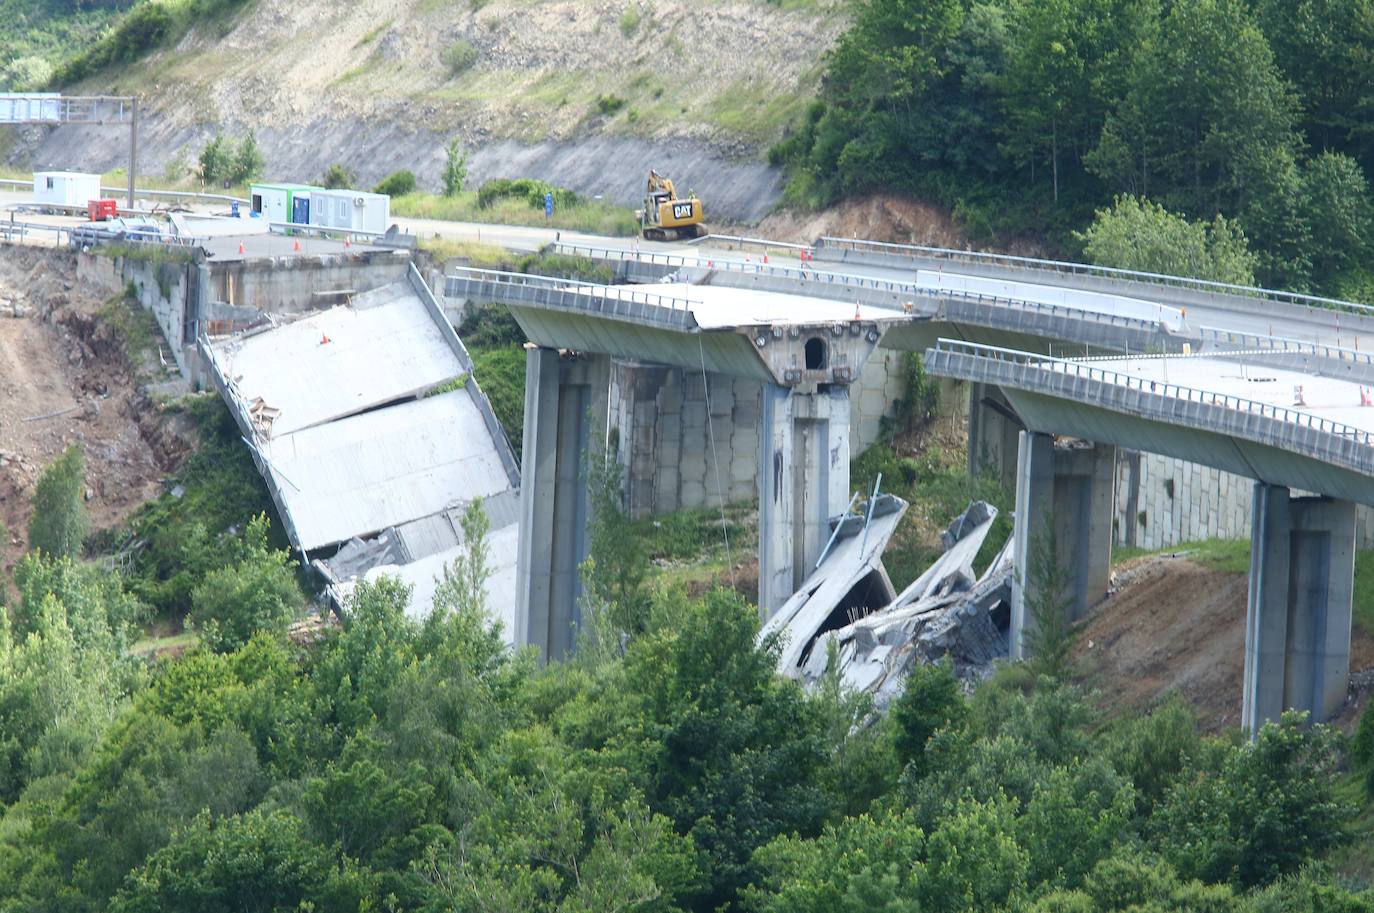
(757, 321)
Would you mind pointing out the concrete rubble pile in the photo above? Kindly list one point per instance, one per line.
(947, 611)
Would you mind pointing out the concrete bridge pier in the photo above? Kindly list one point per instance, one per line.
(560, 396)
(1297, 623)
(803, 482)
(1067, 492)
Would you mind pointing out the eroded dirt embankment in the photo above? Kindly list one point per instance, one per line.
(65, 377)
(1176, 626)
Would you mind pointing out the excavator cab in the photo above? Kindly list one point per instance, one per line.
(665, 216)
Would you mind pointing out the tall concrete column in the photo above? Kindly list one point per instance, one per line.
(1297, 623)
(1066, 492)
(553, 501)
(803, 482)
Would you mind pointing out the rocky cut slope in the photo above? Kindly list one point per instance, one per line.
(585, 94)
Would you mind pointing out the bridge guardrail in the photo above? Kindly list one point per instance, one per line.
(1253, 342)
(1074, 368)
(935, 295)
(735, 266)
(147, 192)
(569, 294)
(911, 251)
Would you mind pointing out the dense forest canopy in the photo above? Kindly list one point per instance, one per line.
(1026, 115)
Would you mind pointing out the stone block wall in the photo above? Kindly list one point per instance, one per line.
(1162, 502)
(660, 416)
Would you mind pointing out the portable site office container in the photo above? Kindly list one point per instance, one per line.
(350, 210)
(282, 202)
(65, 188)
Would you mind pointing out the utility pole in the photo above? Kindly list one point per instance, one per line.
(133, 147)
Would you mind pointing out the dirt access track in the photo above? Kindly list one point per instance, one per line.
(65, 378)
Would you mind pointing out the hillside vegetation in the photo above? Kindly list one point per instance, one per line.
(729, 71)
(1024, 116)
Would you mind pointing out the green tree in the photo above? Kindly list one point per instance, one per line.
(254, 862)
(1336, 206)
(1140, 235)
(247, 161)
(1204, 109)
(216, 160)
(1047, 635)
(930, 700)
(58, 524)
(257, 592)
(396, 184)
(615, 603)
(455, 168)
(1323, 48)
(1258, 810)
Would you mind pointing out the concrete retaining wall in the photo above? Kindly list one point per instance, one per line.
(162, 287)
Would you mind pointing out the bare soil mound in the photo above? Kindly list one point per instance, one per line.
(64, 380)
(1177, 626)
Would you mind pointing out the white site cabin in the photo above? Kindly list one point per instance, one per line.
(350, 210)
(65, 188)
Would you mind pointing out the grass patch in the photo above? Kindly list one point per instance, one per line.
(474, 253)
(1363, 619)
(500, 373)
(937, 485)
(592, 216)
(177, 540)
(1231, 556)
(374, 34)
(137, 330)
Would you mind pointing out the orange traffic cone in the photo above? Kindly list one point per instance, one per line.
(323, 339)
(297, 245)
(240, 247)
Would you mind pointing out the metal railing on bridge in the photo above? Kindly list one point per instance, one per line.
(913, 251)
(939, 298)
(568, 294)
(1024, 363)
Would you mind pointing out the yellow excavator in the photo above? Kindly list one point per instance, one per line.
(666, 217)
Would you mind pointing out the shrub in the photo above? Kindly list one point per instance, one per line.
(59, 523)
(629, 20)
(256, 593)
(397, 184)
(529, 189)
(337, 177)
(459, 56)
(609, 104)
(248, 162)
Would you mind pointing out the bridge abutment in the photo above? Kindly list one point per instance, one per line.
(803, 482)
(1297, 625)
(1065, 492)
(560, 393)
